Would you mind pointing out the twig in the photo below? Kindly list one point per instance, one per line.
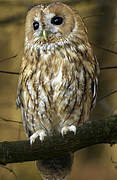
(94, 15)
(9, 120)
(108, 67)
(5, 59)
(8, 72)
(10, 170)
(105, 49)
(109, 94)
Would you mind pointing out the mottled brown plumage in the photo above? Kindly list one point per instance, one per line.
(58, 82)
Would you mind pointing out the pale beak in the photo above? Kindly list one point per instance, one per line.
(45, 36)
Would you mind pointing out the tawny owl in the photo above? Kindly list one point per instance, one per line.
(58, 80)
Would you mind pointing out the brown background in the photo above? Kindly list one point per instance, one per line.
(101, 19)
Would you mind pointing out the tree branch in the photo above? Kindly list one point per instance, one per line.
(91, 133)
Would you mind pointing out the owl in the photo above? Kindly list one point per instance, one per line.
(58, 81)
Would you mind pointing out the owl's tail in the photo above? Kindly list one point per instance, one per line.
(55, 169)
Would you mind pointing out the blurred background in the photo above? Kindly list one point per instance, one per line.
(100, 17)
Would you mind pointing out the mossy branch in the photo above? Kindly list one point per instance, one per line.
(91, 133)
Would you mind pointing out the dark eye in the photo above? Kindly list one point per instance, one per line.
(36, 25)
(57, 20)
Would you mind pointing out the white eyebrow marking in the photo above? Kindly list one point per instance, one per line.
(37, 17)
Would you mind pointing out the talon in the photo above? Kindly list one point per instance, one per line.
(40, 133)
(72, 128)
(65, 129)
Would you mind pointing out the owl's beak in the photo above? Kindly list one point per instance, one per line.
(45, 36)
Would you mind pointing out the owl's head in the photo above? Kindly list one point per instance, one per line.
(48, 27)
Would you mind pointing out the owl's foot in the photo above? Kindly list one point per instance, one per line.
(65, 129)
(40, 133)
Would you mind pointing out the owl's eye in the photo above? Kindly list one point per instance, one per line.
(57, 20)
(36, 25)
